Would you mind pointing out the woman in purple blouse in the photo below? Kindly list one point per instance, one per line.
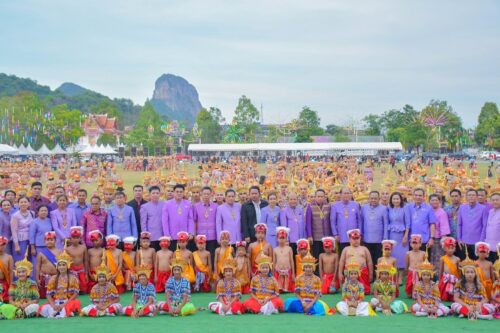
(63, 218)
(399, 227)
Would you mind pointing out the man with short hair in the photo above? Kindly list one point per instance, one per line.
(36, 199)
(177, 215)
(472, 218)
(374, 222)
(121, 218)
(422, 219)
(250, 214)
(150, 217)
(228, 217)
(204, 215)
(136, 204)
(491, 232)
(81, 205)
(318, 222)
(344, 216)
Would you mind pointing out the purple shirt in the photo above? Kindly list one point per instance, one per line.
(471, 223)
(204, 216)
(151, 214)
(491, 233)
(271, 218)
(293, 218)
(5, 225)
(121, 222)
(374, 221)
(61, 227)
(421, 218)
(35, 203)
(442, 224)
(177, 217)
(228, 218)
(344, 217)
(38, 228)
(93, 221)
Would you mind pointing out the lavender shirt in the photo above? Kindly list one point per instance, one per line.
(471, 223)
(421, 218)
(228, 218)
(442, 224)
(5, 225)
(340, 224)
(271, 218)
(204, 216)
(374, 221)
(20, 226)
(491, 233)
(121, 222)
(177, 217)
(57, 224)
(38, 228)
(293, 218)
(151, 213)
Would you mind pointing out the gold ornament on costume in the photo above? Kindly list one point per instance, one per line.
(24, 264)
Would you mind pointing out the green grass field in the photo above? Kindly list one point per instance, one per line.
(205, 321)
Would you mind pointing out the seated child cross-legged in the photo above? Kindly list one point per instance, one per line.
(353, 292)
(264, 290)
(308, 292)
(143, 296)
(426, 293)
(177, 290)
(384, 291)
(228, 291)
(104, 296)
(470, 295)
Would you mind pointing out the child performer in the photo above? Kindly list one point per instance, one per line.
(426, 293)
(387, 246)
(308, 292)
(259, 246)
(228, 292)
(470, 295)
(328, 267)
(495, 293)
(78, 253)
(414, 258)
(104, 295)
(162, 267)
(302, 250)
(146, 254)
(485, 271)
(46, 262)
(243, 268)
(284, 270)
(264, 290)
(128, 259)
(448, 269)
(6, 270)
(177, 291)
(115, 262)
(222, 253)
(362, 255)
(353, 293)
(96, 255)
(202, 265)
(23, 293)
(187, 256)
(143, 298)
(62, 291)
(384, 290)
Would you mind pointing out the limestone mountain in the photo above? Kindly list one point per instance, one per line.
(176, 98)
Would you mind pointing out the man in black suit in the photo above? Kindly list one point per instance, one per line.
(136, 204)
(250, 214)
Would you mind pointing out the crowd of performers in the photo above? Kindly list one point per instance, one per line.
(321, 229)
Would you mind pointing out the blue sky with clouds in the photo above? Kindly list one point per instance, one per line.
(344, 59)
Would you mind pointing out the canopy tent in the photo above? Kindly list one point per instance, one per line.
(101, 150)
(8, 150)
(43, 150)
(30, 150)
(58, 150)
(315, 148)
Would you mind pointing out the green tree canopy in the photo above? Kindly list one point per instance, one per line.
(209, 129)
(246, 116)
(488, 126)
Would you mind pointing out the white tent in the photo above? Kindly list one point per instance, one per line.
(8, 150)
(110, 150)
(30, 150)
(101, 150)
(43, 150)
(22, 150)
(58, 150)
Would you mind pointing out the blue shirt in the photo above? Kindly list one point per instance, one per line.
(177, 288)
(79, 210)
(38, 228)
(121, 222)
(374, 221)
(143, 293)
(421, 218)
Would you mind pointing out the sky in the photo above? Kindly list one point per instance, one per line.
(344, 59)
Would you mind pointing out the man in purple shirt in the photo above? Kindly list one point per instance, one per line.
(423, 220)
(121, 219)
(318, 222)
(58, 191)
(177, 216)
(472, 218)
(228, 217)
(150, 216)
(374, 221)
(36, 199)
(482, 198)
(204, 214)
(81, 205)
(344, 215)
(491, 233)
(292, 217)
